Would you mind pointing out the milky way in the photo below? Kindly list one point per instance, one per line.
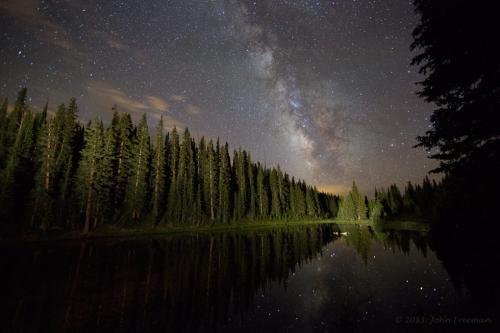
(323, 88)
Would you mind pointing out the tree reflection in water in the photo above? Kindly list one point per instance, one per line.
(186, 282)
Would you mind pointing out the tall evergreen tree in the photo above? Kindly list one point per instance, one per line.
(186, 180)
(274, 183)
(105, 175)
(359, 202)
(87, 173)
(158, 173)
(124, 155)
(224, 185)
(252, 202)
(212, 180)
(262, 192)
(174, 203)
(137, 192)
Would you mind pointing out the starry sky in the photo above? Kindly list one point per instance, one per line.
(323, 88)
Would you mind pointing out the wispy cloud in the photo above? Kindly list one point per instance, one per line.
(115, 96)
(157, 103)
(105, 93)
(28, 13)
(111, 40)
(177, 98)
(193, 109)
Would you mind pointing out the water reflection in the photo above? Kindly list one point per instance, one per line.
(303, 278)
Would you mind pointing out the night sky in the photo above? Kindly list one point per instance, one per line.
(323, 88)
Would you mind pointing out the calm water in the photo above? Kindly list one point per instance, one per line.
(303, 279)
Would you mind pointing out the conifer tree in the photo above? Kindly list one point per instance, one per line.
(87, 173)
(66, 155)
(158, 173)
(105, 175)
(252, 204)
(186, 179)
(224, 185)
(301, 199)
(262, 194)
(43, 192)
(124, 155)
(274, 183)
(311, 203)
(212, 180)
(359, 203)
(14, 119)
(118, 175)
(137, 192)
(174, 203)
(347, 208)
(240, 167)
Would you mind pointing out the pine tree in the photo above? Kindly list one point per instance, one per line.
(14, 119)
(311, 203)
(124, 155)
(158, 173)
(262, 194)
(301, 199)
(252, 202)
(43, 192)
(137, 192)
(13, 181)
(212, 180)
(105, 175)
(87, 173)
(240, 172)
(224, 185)
(118, 175)
(359, 203)
(173, 205)
(66, 154)
(284, 191)
(186, 179)
(347, 209)
(274, 183)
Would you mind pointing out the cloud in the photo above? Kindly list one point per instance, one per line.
(155, 107)
(193, 109)
(111, 40)
(28, 13)
(115, 96)
(157, 103)
(177, 98)
(188, 108)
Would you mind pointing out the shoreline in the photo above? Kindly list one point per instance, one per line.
(114, 232)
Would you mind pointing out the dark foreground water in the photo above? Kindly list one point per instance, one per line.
(321, 278)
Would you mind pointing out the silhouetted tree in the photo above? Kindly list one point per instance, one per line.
(458, 53)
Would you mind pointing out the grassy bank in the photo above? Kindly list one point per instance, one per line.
(112, 231)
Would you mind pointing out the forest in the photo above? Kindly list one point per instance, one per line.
(58, 173)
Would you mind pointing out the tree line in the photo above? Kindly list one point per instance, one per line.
(57, 173)
(415, 201)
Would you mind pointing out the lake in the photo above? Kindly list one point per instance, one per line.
(314, 278)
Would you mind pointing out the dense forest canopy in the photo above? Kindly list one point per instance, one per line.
(56, 172)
